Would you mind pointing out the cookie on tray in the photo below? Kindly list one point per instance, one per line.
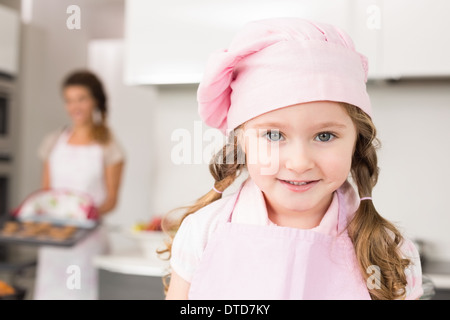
(10, 227)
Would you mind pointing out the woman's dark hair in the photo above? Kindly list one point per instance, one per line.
(89, 80)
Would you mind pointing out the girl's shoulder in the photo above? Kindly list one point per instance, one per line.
(209, 217)
(194, 233)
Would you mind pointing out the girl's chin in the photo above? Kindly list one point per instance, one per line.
(297, 201)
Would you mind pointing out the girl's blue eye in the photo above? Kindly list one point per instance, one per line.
(325, 137)
(274, 135)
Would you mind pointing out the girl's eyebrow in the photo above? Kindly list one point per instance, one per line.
(328, 124)
(269, 125)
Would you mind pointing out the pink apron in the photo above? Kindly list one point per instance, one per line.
(243, 261)
(69, 273)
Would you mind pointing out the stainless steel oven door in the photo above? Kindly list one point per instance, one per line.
(5, 186)
(5, 116)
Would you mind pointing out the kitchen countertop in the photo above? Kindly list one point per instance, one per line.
(135, 263)
(132, 262)
(439, 273)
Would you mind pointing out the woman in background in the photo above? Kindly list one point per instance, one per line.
(83, 157)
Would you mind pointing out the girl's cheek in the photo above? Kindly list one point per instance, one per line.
(336, 166)
(262, 161)
(255, 150)
(263, 157)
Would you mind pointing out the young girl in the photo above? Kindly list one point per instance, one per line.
(291, 96)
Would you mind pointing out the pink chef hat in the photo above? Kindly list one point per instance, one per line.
(275, 63)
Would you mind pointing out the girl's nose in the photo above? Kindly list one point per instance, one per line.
(299, 158)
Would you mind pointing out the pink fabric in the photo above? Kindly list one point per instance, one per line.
(279, 62)
(252, 210)
(243, 261)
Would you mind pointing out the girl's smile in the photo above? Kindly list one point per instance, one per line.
(299, 186)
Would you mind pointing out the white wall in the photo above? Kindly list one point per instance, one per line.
(132, 118)
(181, 184)
(412, 118)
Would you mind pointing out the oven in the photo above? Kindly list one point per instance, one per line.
(6, 94)
(5, 187)
(6, 143)
(6, 148)
(5, 184)
(9, 34)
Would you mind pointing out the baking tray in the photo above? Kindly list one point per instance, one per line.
(19, 294)
(48, 232)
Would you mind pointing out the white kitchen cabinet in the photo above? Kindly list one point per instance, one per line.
(365, 18)
(416, 38)
(9, 40)
(170, 41)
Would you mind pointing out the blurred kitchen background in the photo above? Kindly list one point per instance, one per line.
(150, 55)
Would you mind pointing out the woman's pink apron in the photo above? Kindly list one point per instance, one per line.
(243, 261)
